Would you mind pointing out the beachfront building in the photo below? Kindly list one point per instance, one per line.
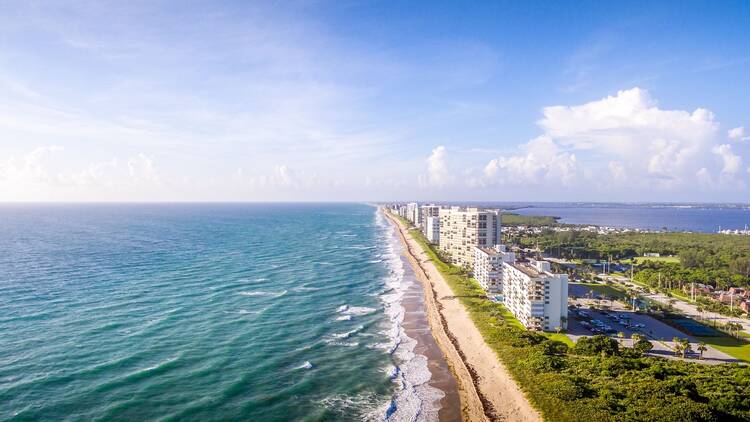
(429, 211)
(488, 267)
(402, 211)
(413, 213)
(432, 229)
(537, 297)
(461, 229)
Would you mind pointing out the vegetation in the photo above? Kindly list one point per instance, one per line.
(713, 259)
(510, 219)
(597, 379)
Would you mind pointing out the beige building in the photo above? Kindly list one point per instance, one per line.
(461, 229)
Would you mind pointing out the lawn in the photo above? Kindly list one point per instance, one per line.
(602, 289)
(668, 259)
(735, 348)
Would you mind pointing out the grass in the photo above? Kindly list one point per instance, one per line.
(562, 337)
(668, 259)
(603, 289)
(735, 348)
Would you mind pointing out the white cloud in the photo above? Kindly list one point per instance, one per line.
(438, 174)
(141, 168)
(620, 138)
(731, 162)
(738, 134)
(541, 161)
(31, 168)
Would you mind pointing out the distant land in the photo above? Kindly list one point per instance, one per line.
(669, 216)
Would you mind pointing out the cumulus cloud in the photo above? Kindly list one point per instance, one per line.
(617, 139)
(738, 134)
(731, 162)
(438, 173)
(280, 177)
(141, 168)
(541, 161)
(32, 167)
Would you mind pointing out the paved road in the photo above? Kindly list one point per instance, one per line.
(685, 307)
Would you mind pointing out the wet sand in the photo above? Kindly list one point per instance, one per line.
(417, 327)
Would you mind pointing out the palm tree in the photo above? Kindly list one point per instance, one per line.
(734, 327)
(685, 347)
(636, 338)
(677, 345)
(702, 348)
(700, 311)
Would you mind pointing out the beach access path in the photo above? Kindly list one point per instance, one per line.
(487, 390)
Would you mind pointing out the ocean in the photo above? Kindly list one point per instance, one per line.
(695, 218)
(212, 312)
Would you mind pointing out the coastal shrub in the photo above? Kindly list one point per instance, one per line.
(553, 347)
(536, 360)
(596, 345)
(564, 387)
(643, 345)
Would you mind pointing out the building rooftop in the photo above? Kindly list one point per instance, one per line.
(527, 269)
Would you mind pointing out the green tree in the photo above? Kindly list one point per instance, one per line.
(702, 348)
(596, 345)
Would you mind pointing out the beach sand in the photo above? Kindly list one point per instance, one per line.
(486, 389)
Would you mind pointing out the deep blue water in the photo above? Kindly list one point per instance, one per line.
(203, 312)
(675, 218)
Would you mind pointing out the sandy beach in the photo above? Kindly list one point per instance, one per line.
(486, 389)
(417, 326)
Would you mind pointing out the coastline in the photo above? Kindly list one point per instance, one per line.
(486, 389)
(416, 326)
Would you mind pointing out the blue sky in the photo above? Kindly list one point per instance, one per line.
(241, 101)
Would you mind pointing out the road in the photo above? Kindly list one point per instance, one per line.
(685, 307)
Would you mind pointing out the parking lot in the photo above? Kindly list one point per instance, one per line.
(621, 320)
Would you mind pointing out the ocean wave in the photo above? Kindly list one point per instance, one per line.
(246, 312)
(363, 407)
(306, 365)
(262, 293)
(344, 318)
(305, 289)
(355, 310)
(344, 343)
(359, 247)
(348, 333)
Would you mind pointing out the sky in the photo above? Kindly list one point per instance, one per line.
(375, 101)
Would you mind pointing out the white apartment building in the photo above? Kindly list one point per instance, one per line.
(432, 229)
(429, 211)
(413, 213)
(461, 229)
(536, 296)
(488, 267)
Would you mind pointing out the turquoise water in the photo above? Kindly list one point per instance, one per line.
(204, 312)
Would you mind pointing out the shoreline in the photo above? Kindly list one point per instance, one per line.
(416, 327)
(486, 389)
